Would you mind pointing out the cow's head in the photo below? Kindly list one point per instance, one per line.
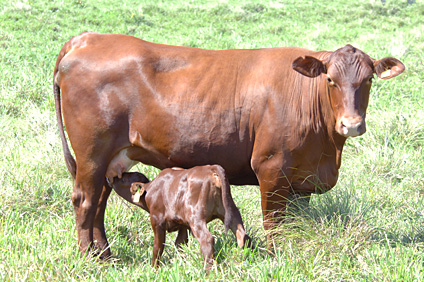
(349, 73)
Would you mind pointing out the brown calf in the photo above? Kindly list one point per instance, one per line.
(184, 199)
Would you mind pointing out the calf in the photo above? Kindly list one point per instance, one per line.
(184, 199)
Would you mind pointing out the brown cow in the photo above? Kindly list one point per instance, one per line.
(184, 199)
(276, 117)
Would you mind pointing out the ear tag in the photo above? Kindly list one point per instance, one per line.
(138, 195)
(385, 73)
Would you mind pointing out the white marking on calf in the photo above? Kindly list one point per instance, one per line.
(136, 197)
(216, 180)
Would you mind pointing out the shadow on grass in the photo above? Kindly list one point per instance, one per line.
(336, 223)
(409, 230)
(342, 216)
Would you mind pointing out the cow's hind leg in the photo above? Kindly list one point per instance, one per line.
(99, 233)
(86, 195)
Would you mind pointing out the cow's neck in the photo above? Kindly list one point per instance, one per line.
(339, 142)
(327, 119)
(328, 115)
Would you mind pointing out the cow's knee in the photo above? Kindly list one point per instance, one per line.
(76, 196)
(88, 211)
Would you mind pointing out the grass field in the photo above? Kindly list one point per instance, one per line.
(370, 227)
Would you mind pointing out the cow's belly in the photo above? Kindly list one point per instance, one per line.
(193, 138)
(238, 172)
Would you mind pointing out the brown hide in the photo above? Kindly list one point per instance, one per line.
(276, 117)
(182, 200)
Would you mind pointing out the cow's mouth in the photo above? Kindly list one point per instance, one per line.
(351, 126)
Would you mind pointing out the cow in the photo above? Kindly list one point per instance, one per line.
(273, 117)
(184, 199)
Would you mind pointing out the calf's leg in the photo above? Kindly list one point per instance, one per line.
(159, 243)
(182, 237)
(205, 238)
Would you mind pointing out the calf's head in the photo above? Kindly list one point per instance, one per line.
(348, 73)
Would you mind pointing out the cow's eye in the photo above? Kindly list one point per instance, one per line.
(370, 79)
(330, 81)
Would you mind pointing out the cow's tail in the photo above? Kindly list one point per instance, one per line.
(69, 159)
(232, 219)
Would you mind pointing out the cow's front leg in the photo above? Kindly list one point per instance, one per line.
(275, 190)
(273, 201)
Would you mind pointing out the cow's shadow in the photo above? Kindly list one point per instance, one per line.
(343, 210)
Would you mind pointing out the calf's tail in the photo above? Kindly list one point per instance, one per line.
(232, 219)
(69, 159)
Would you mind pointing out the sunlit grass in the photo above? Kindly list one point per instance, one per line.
(370, 227)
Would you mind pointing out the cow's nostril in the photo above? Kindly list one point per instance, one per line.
(351, 126)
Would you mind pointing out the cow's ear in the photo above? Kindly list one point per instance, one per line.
(388, 67)
(309, 66)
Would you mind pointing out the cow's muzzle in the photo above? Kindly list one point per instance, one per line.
(351, 126)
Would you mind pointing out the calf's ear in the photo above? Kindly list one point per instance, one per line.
(388, 67)
(309, 66)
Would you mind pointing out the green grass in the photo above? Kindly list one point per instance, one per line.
(370, 227)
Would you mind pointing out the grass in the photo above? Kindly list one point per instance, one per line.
(370, 227)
